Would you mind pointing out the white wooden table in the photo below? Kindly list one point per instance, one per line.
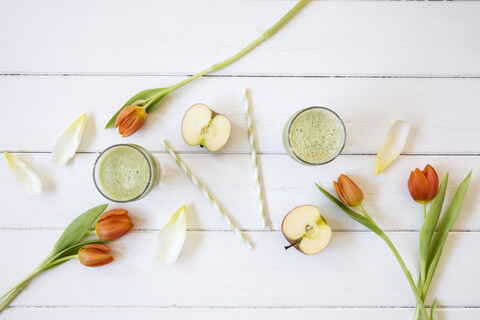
(371, 62)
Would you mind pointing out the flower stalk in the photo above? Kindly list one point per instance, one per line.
(151, 99)
(71, 244)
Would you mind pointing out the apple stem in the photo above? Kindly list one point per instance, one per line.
(295, 243)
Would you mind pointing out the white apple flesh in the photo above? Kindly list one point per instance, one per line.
(204, 127)
(306, 230)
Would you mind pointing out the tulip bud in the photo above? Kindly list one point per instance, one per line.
(348, 191)
(113, 224)
(93, 255)
(423, 185)
(130, 120)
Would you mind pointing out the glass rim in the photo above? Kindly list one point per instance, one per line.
(150, 171)
(328, 111)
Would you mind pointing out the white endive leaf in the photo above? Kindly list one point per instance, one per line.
(67, 145)
(392, 145)
(172, 236)
(25, 175)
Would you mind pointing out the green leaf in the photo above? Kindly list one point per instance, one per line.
(142, 95)
(433, 310)
(77, 228)
(352, 214)
(446, 225)
(430, 224)
(71, 250)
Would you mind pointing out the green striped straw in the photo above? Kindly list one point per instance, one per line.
(207, 195)
(251, 138)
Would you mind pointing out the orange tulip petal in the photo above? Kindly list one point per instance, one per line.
(125, 113)
(432, 178)
(113, 212)
(418, 186)
(93, 257)
(97, 246)
(351, 191)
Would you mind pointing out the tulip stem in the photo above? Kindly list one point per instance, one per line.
(61, 260)
(407, 273)
(367, 215)
(23, 281)
(267, 34)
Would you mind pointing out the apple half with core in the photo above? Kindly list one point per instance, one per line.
(306, 230)
(203, 126)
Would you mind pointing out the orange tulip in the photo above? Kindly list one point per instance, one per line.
(130, 120)
(93, 255)
(113, 224)
(348, 191)
(423, 185)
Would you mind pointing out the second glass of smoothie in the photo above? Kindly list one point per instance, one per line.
(314, 136)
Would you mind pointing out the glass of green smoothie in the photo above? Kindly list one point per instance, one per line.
(314, 136)
(125, 172)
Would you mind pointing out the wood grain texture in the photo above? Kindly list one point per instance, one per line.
(443, 113)
(372, 62)
(158, 37)
(176, 313)
(215, 270)
(70, 190)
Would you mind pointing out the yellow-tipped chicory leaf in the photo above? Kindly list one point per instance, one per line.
(67, 145)
(25, 175)
(392, 145)
(172, 236)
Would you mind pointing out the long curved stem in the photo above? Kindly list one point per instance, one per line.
(267, 34)
(407, 273)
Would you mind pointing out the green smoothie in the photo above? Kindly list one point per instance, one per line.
(123, 173)
(316, 135)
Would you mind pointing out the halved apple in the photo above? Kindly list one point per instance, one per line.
(306, 230)
(202, 126)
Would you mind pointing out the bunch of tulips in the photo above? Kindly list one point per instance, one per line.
(72, 244)
(424, 189)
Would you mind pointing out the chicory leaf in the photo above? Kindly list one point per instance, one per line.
(67, 145)
(29, 179)
(171, 237)
(392, 145)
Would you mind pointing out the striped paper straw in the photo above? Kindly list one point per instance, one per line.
(251, 137)
(207, 195)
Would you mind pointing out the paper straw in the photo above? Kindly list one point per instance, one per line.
(251, 138)
(207, 195)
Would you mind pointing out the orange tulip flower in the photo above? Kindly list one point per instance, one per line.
(94, 255)
(113, 224)
(130, 120)
(423, 185)
(348, 191)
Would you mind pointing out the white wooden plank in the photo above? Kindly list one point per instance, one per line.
(215, 270)
(70, 190)
(327, 38)
(230, 313)
(443, 113)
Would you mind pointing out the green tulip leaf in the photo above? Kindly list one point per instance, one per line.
(433, 310)
(444, 228)
(430, 223)
(77, 229)
(352, 214)
(142, 95)
(69, 251)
